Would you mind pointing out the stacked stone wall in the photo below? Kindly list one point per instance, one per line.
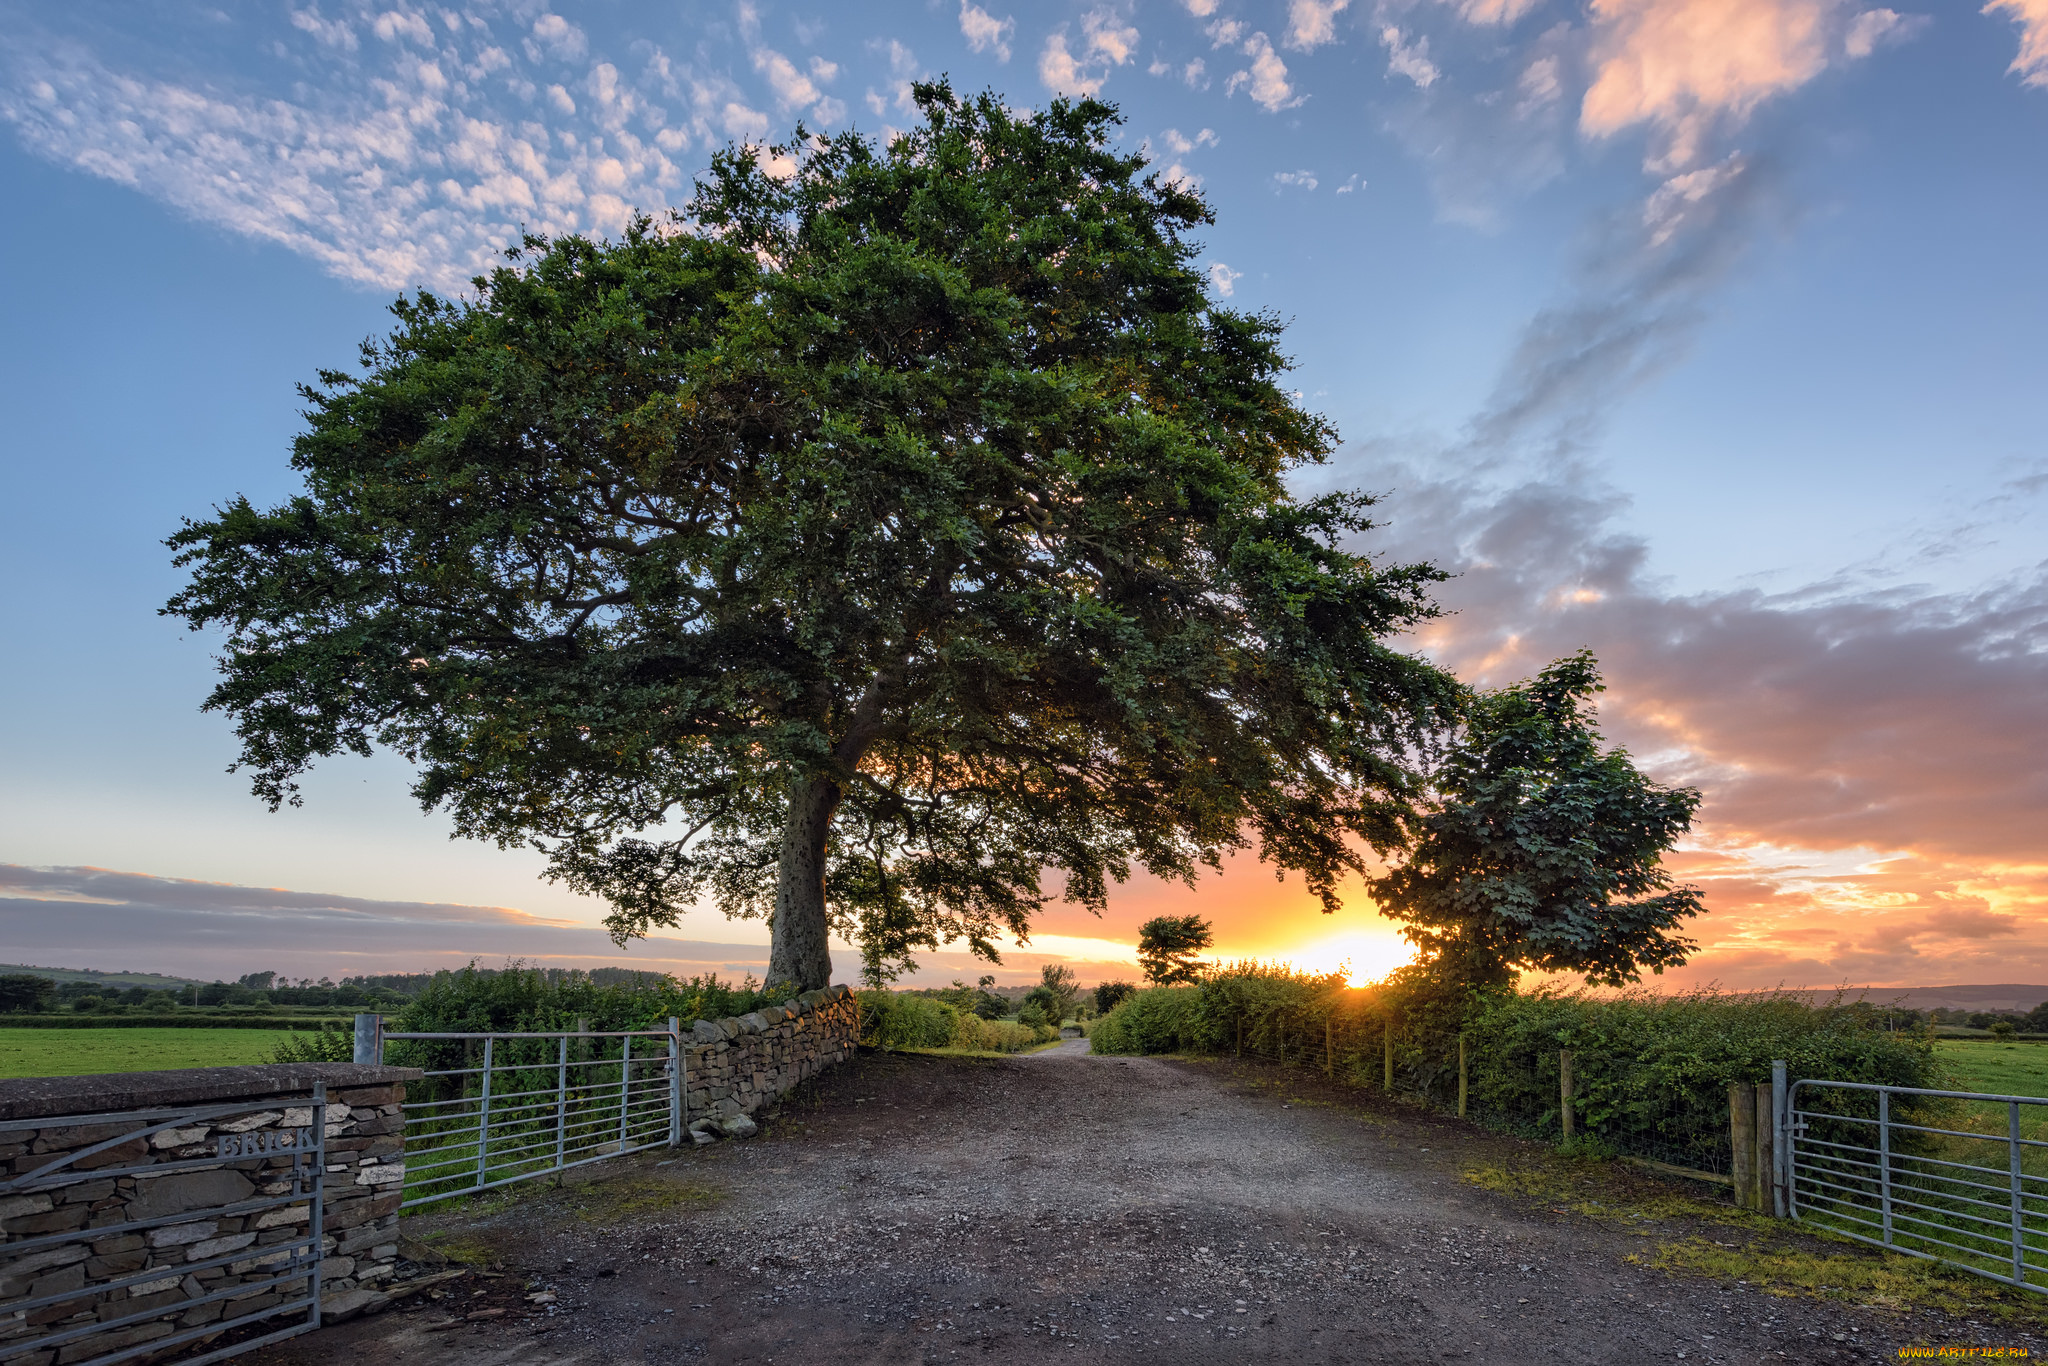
(734, 1067)
(365, 1168)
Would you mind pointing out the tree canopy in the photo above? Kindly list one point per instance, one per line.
(1540, 849)
(1170, 948)
(882, 547)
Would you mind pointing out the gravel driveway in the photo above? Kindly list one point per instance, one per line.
(1062, 1207)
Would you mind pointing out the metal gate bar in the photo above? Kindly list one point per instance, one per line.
(1852, 1164)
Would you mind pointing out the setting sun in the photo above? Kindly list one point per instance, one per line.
(1362, 955)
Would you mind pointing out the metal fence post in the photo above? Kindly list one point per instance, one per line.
(2019, 1258)
(483, 1120)
(1884, 1161)
(561, 1106)
(1781, 1145)
(368, 1041)
(675, 1081)
(625, 1086)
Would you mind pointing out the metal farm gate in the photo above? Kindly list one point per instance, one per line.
(1954, 1176)
(180, 1263)
(498, 1108)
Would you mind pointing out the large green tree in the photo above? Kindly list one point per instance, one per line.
(874, 547)
(1539, 848)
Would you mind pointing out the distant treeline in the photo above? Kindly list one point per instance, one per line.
(32, 993)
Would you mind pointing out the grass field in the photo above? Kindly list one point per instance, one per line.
(75, 1052)
(2003, 1069)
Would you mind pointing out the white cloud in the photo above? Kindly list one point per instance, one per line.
(1225, 33)
(796, 90)
(903, 69)
(1201, 9)
(984, 32)
(1491, 11)
(1305, 180)
(1266, 78)
(2031, 65)
(332, 33)
(1197, 74)
(1312, 23)
(1355, 183)
(1223, 278)
(399, 25)
(1668, 207)
(1109, 37)
(1406, 60)
(390, 167)
(1106, 41)
(1180, 144)
(559, 37)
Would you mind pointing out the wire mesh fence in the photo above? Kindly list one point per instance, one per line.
(499, 1108)
(1604, 1101)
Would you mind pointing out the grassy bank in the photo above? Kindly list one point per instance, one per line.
(2004, 1069)
(77, 1052)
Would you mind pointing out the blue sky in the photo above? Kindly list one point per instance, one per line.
(1709, 333)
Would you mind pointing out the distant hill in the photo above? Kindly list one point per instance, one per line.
(155, 981)
(1999, 996)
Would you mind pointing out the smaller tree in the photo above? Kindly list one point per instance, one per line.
(1168, 948)
(1110, 995)
(1541, 849)
(1061, 990)
(2002, 1029)
(22, 992)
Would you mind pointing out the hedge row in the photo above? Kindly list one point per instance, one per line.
(892, 1020)
(182, 1020)
(1650, 1071)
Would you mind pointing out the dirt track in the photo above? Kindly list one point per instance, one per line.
(1079, 1209)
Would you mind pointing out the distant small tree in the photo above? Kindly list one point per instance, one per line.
(22, 992)
(2036, 1021)
(1542, 850)
(1109, 995)
(1061, 988)
(257, 981)
(2002, 1029)
(1169, 945)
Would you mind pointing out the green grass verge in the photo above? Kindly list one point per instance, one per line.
(78, 1052)
(2003, 1069)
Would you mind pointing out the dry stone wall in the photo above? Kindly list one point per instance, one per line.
(734, 1067)
(365, 1167)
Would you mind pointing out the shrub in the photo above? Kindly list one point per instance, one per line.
(326, 1044)
(891, 1019)
(1109, 995)
(1154, 1020)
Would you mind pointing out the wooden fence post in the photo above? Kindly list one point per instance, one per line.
(1766, 1152)
(1742, 1142)
(1564, 1090)
(1387, 1056)
(1463, 1076)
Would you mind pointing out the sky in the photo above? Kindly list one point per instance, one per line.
(1709, 334)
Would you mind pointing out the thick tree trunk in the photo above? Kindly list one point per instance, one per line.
(799, 954)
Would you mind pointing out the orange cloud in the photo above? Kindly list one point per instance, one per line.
(2031, 65)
